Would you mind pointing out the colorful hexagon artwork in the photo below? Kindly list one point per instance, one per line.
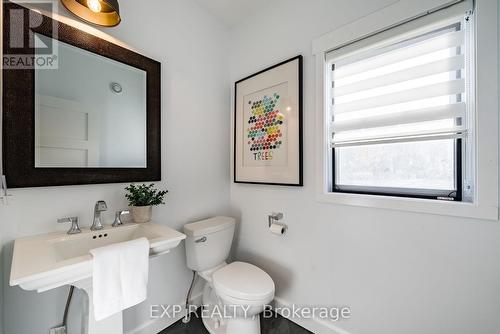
(265, 127)
(268, 126)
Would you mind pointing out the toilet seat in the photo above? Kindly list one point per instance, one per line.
(243, 282)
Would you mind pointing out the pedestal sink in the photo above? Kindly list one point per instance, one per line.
(49, 261)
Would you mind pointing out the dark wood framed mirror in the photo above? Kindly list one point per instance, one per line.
(84, 111)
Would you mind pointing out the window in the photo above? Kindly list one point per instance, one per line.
(401, 114)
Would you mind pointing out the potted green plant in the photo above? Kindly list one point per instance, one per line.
(141, 199)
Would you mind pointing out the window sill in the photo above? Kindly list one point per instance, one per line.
(436, 207)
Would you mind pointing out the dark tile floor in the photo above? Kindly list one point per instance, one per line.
(274, 325)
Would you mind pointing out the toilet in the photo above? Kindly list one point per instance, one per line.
(234, 294)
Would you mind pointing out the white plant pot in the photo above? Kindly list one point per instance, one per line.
(141, 214)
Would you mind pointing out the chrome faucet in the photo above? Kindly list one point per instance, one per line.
(100, 206)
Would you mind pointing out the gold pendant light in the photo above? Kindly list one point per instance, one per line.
(101, 12)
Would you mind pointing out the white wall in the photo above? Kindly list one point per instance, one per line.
(192, 47)
(400, 272)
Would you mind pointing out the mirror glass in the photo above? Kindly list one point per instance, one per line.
(89, 112)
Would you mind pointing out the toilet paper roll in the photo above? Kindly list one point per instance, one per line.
(277, 229)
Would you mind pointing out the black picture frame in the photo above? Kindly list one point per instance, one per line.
(19, 111)
(299, 182)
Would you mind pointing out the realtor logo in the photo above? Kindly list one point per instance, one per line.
(27, 45)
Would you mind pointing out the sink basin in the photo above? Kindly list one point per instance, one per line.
(52, 260)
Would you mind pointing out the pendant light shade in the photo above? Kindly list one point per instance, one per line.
(101, 12)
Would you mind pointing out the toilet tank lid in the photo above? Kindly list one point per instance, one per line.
(208, 226)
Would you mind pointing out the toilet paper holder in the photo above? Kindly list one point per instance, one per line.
(274, 217)
(274, 225)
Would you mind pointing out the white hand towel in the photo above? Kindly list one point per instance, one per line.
(120, 276)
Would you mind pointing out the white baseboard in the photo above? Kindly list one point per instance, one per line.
(155, 326)
(315, 325)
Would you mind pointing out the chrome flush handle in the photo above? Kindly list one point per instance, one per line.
(204, 239)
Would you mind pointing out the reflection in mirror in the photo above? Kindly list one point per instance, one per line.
(90, 112)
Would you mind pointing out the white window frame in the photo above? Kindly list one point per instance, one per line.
(485, 201)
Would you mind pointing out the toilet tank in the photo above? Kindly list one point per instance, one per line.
(208, 242)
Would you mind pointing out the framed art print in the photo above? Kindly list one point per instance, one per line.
(268, 126)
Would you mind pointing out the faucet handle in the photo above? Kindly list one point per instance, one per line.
(74, 229)
(67, 220)
(118, 217)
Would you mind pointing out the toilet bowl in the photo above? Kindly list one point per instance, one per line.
(244, 290)
(234, 294)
